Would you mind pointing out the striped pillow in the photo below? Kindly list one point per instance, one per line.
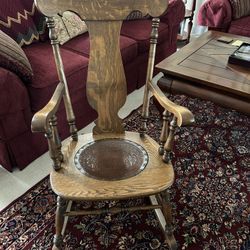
(240, 8)
(13, 58)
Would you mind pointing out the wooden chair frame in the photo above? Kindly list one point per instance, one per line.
(104, 26)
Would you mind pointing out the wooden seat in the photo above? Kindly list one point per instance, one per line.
(108, 163)
(69, 184)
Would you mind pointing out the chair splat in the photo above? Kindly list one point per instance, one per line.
(106, 82)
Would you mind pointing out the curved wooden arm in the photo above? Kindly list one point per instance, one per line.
(183, 115)
(40, 120)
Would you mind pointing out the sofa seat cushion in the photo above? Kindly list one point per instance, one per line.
(140, 31)
(80, 45)
(45, 77)
(240, 26)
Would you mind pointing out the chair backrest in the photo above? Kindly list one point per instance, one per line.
(106, 83)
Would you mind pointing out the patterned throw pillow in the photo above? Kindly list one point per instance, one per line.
(136, 14)
(13, 58)
(240, 8)
(21, 20)
(69, 25)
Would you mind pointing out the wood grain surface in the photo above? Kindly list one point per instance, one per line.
(106, 92)
(69, 183)
(204, 61)
(106, 82)
(40, 121)
(102, 9)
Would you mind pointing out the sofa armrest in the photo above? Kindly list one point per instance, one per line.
(215, 14)
(174, 14)
(13, 93)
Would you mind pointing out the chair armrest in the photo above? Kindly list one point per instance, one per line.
(40, 121)
(183, 115)
(215, 14)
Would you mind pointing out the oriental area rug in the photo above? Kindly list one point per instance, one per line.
(210, 195)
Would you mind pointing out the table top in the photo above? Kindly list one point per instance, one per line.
(205, 61)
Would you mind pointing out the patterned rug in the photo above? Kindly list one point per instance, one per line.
(209, 196)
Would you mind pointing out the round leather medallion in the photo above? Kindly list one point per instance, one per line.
(111, 159)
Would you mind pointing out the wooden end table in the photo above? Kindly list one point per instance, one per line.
(201, 69)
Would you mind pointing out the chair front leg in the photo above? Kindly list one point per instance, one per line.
(168, 147)
(61, 209)
(167, 212)
(164, 133)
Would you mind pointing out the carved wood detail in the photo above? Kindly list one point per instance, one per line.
(102, 9)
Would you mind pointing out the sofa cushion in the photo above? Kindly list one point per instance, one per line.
(216, 14)
(81, 45)
(21, 21)
(240, 26)
(13, 58)
(45, 77)
(240, 8)
(68, 26)
(140, 31)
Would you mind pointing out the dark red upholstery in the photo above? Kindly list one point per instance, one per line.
(139, 30)
(18, 101)
(45, 79)
(240, 26)
(81, 45)
(13, 96)
(218, 15)
(21, 21)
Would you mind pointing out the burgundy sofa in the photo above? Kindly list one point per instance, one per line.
(219, 15)
(19, 101)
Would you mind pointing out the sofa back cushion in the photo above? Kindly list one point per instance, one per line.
(21, 20)
(240, 26)
(13, 58)
(240, 8)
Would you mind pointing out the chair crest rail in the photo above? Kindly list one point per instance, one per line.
(102, 10)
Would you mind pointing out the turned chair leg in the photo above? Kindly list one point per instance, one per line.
(167, 212)
(58, 237)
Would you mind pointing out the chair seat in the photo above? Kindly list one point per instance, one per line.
(70, 183)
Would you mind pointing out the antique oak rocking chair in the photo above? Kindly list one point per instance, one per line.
(108, 164)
